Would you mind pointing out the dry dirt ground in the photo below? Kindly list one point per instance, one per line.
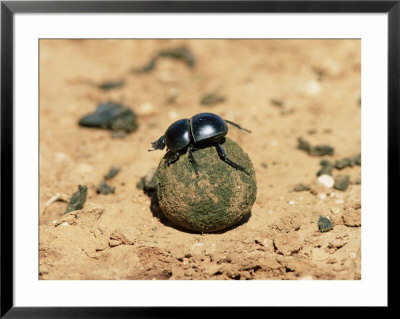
(281, 89)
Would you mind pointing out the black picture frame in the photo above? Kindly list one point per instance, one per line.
(9, 8)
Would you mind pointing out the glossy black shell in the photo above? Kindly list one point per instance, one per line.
(207, 126)
(200, 128)
(177, 135)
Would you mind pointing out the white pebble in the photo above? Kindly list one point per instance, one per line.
(267, 242)
(322, 196)
(353, 255)
(64, 224)
(339, 201)
(292, 202)
(326, 180)
(335, 210)
(146, 108)
(310, 88)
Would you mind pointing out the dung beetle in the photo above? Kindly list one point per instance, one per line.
(203, 129)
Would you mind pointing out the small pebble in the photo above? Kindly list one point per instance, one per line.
(335, 210)
(77, 200)
(311, 131)
(317, 150)
(111, 116)
(105, 189)
(112, 172)
(64, 224)
(146, 108)
(311, 88)
(341, 182)
(326, 168)
(180, 53)
(322, 196)
(324, 224)
(353, 255)
(301, 187)
(277, 102)
(345, 162)
(211, 99)
(110, 85)
(326, 180)
(292, 202)
(357, 160)
(339, 201)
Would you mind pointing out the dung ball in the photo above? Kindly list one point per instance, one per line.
(219, 197)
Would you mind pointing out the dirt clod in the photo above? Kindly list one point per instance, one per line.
(324, 224)
(111, 116)
(77, 200)
(341, 182)
(317, 150)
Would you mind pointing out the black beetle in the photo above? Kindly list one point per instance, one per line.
(201, 130)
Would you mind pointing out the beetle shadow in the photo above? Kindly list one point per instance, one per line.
(157, 213)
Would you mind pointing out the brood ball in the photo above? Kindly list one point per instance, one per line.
(216, 198)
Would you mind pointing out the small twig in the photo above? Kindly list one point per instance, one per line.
(57, 197)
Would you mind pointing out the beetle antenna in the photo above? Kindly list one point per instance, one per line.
(237, 125)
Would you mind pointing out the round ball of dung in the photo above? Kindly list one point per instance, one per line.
(217, 198)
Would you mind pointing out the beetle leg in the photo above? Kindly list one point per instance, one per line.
(191, 158)
(225, 158)
(172, 159)
(238, 126)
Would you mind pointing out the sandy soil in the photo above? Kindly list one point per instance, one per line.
(281, 89)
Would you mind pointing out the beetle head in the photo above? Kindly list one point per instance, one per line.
(159, 144)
